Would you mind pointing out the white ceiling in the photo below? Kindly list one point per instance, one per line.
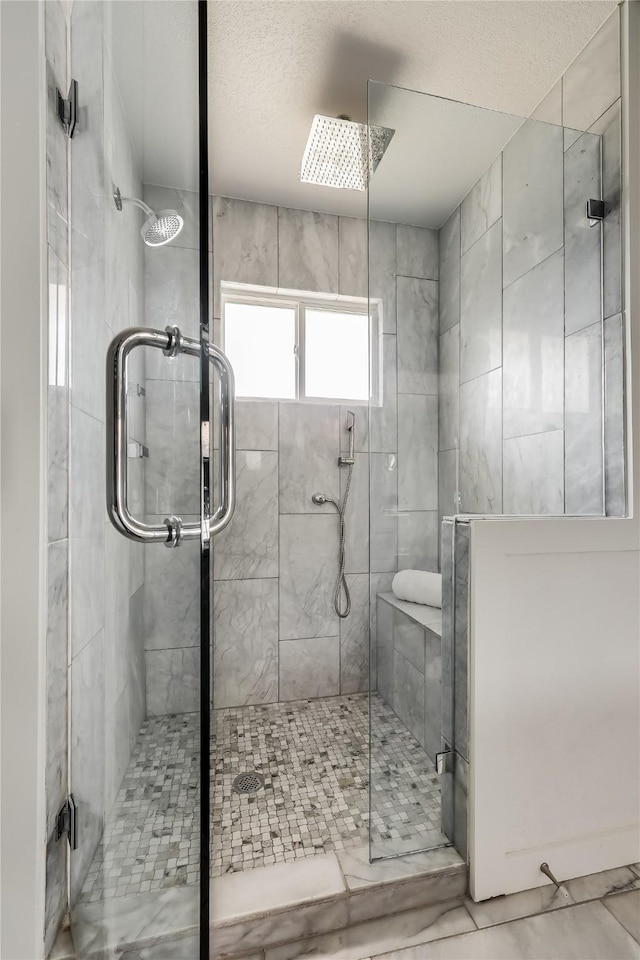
(273, 64)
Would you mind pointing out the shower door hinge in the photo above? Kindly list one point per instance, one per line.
(67, 822)
(445, 762)
(68, 109)
(595, 212)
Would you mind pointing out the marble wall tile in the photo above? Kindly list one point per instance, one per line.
(582, 243)
(256, 425)
(309, 449)
(609, 128)
(450, 252)
(416, 252)
(378, 583)
(87, 476)
(86, 44)
(173, 681)
(56, 902)
(135, 667)
(592, 82)
(245, 652)
(354, 638)
(89, 340)
(57, 183)
(432, 694)
(187, 204)
(116, 617)
(482, 206)
(614, 452)
(481, 305)
(87, 753)
(248, 547)
(384, 419)
(86, 589)
(309, 668)
(353, 256)
(532, 197)
(418, 540)
(533, 350)
(449, 394)
(417, 452)
(172, 298)
(583, 422)
(308, 250)
(58, 463)
(307, 576)
(56, 770)
(409, 639)
(55, 40)
(455, 803)
(172, 616)
(383, 512)
(549, 110)
(356, 515)
(408, 695)
(481, 444)
(382, 270)
(384, 651)
(392, 898)
(533, 479)
(172, 469)
(245, 245)
(417, 336)
(447, 483)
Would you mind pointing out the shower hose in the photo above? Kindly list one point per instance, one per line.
(341, 592)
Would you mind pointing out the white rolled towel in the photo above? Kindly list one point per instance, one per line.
(418, 586)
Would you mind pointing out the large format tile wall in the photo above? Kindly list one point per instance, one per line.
(95, 663)
(530, 307)
(276, 636)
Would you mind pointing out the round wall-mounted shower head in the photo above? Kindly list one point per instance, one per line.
(162, 227)
(159, 228)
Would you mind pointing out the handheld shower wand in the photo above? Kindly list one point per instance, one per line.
(341, 506)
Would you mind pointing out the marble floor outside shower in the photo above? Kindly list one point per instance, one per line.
(314, 757)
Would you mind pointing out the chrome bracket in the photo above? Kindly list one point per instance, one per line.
(174, 528)
(68, 109)
(67, 822)
(595, 212)
(174, 346)
(445, 761)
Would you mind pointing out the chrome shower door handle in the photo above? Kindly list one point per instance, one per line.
(223, 513)
(172, 531)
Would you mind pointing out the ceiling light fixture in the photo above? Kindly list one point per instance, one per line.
(342, 153)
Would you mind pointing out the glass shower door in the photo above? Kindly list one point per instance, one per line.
(138, 639)
(494, 245)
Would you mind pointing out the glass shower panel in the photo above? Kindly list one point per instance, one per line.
(135, 606)
(493, 241)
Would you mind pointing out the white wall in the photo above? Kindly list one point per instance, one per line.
(555, 652)
(23, 516)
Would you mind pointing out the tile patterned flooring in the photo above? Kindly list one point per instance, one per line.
(314, 758)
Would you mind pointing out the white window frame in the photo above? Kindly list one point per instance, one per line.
(300, 301)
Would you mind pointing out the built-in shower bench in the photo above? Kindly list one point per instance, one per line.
(409, 666)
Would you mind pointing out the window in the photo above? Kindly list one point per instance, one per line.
(302, 346)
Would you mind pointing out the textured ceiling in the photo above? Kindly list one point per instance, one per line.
(273, 64)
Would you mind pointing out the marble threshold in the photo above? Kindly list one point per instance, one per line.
(271, 905)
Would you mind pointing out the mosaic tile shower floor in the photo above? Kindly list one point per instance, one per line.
(314, 759)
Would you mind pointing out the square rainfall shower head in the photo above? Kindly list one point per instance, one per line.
(342, 153)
